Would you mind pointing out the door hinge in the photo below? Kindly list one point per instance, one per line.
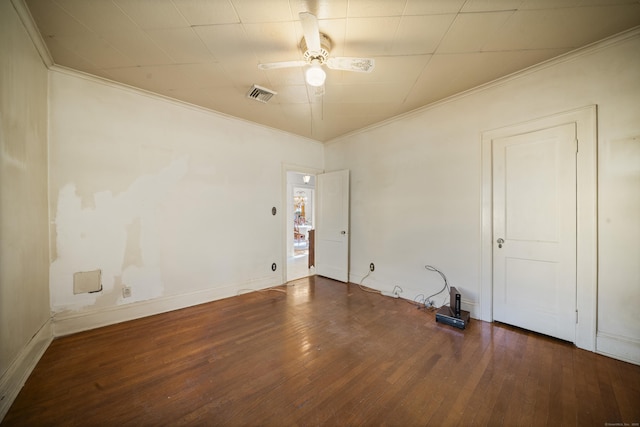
(576, 317)
(577, 146)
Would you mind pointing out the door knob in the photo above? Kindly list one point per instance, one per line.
(343, 232)
(500, 242)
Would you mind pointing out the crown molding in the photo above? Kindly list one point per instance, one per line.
(29, 24)
(569, 56)
(184, 104)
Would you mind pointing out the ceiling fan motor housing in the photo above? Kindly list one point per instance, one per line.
(322, 54)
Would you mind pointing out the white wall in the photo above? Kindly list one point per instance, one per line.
(171, 200)
(24, 251)
(416, 183)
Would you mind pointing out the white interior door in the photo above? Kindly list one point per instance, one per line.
(534, 230)
(332, 225)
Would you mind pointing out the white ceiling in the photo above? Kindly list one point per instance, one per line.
(206, 52)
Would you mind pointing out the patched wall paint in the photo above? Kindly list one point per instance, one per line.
(415, 188)
(166, 198)
(100, 234)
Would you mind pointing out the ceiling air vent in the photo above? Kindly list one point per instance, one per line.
(260, 93)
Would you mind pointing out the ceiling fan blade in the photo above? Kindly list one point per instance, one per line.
(311, 31)
(361, 65)
(285, 64)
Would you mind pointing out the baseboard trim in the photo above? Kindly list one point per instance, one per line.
(472, 307)
(72, 322)
(618, 347)
(12, 381)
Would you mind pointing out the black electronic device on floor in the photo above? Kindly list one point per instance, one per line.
(452, 314)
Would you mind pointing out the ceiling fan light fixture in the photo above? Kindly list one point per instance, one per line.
(315, 75)
(316, 47)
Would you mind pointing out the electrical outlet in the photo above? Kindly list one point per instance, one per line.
(126, 291)
(390, 294)
(395, 293)
(372, 267)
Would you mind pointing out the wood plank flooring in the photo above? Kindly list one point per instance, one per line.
(316, 353)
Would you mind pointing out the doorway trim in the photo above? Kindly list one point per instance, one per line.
(289, 167)
(585, 120)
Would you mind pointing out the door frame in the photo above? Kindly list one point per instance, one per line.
(288, 167)
(585, 120)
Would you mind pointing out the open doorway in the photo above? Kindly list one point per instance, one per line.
(300, 225)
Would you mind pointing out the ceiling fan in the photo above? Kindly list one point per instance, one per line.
(316, 47)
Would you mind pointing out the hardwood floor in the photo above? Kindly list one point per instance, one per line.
(321, 353)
